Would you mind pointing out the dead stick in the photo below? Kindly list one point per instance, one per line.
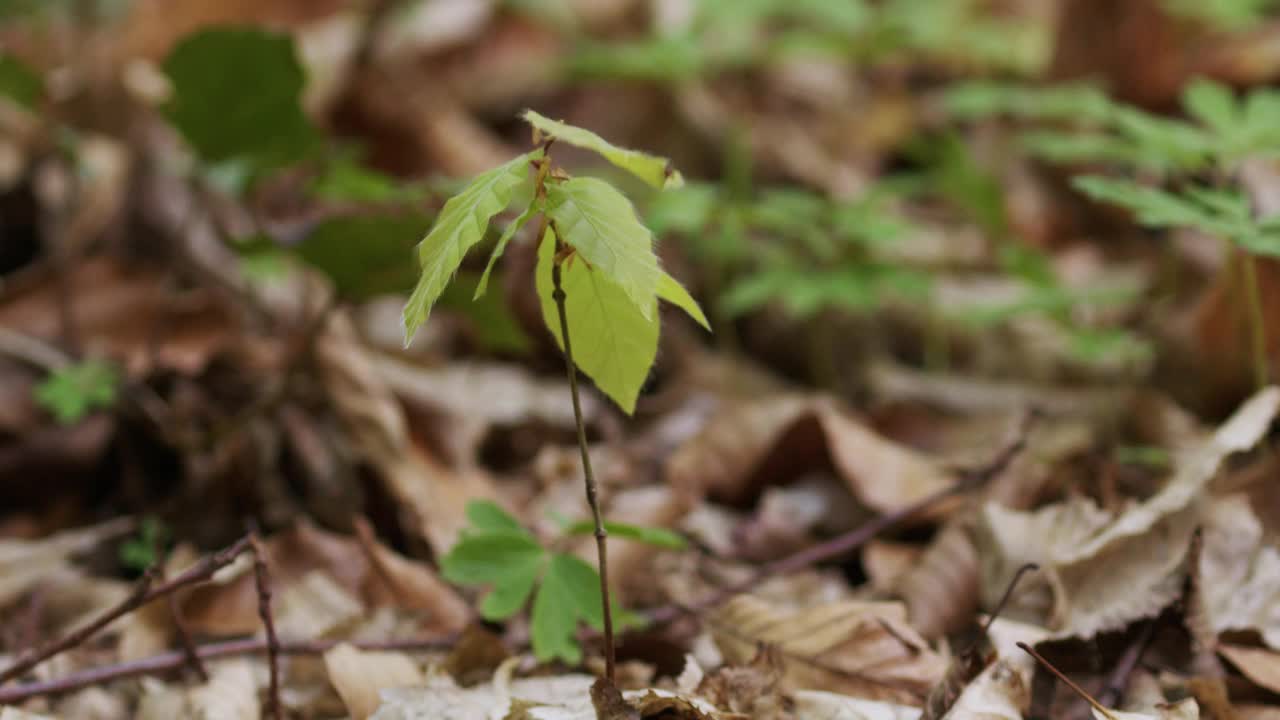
(142, 594)
(1119, 678)
(262, 581)
(842, 544)
(172, 660)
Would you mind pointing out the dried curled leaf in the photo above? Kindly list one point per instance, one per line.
(864, 649)
(360, 676)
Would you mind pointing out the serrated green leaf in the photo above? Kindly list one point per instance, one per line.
(461, 224)
(237, 94)
(19, 82)
(501, 247)
(672, 291)
(601, 224)
(652, 169)
(613, 343)
(74, 391)
(490, 558)
(658, 537)
(487, 516)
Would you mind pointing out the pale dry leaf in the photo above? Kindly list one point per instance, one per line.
(433, 496)
(886, 562)
(751, 444)
(1000, 692)
(1260, 665)
(442, 699)
(25, 563)
(95, 704)
(13, 713)
(360, 676)
(691, 676)
(1239, 571)
(821, 705)
(864, 649)
(149, 630)
(315, 606)
(326, 49)
(412, 585)
(230, 694)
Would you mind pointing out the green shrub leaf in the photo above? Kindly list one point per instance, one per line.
(236, 94)
(672, 291)
(461, 224)
(490, 558)
(501, 247)
(570, 592)
(613, 343)
(72, 392)
(601, 224)
(487, 516)
(652, 169)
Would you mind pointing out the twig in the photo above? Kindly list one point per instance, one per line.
(175, 616)
(172, 660)
(262, 582)
(1070, 683)
(601, 534)
(859, 536)
(1119, 677)
(142, 594)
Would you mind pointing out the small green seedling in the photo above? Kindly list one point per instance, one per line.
(597, 278)
(495, 551)
(141, 551)
(74, 391)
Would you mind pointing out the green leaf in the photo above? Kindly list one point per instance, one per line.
(236, 94)
(490, 558)
(487, 516)
(659, 537)
(461, 224)
(1212, 104)
(672, 291)
(1151, 206)
(652, 169)
(570, 592)
(509, 596)
(72, 392)
(614, 344)
(601, 224)
(19, 82)
(365, 255)
(501, 247)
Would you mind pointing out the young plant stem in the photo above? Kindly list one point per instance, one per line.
(1257, 321)
(601, 534)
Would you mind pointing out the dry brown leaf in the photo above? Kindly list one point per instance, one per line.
(360, 676)
(412, 585)
(25, 563)
(1183, 710)
(1239, 571)
(432, 496)
(999, 693)
(149, 630)
(776, 439)
(1260, 665)
(315, 606)
(230, 694)
(819, 705)
(886, 562)
(864, 649)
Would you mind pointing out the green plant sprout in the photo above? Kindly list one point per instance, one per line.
(74, 391)
(597, 276)
(141, 551)
(495, 551)
(727, 35)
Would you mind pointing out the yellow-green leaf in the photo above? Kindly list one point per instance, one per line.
(601, 224)
(613, 343)
(652, 169)
(672, 291)
(461, 224)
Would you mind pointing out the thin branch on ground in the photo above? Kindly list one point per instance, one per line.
(262, 581)
(1119, 678)
(144, 593)
(173, 660)
(843, 544)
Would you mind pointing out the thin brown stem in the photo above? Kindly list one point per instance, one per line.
(144, 593)
(1070, 683)
(262, 581)
(1119, 678)
(172, 660)
(593, 500)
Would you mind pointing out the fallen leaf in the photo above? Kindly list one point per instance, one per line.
(230, 694)
(412, 585)
(360, 676)
(25, 563)
(1183, 710)
(1239, 571)
(998, 693)
(864, 649)
(12, 713)
(315, 606)
(1260, 665)
(749, 445)
(819, 705)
